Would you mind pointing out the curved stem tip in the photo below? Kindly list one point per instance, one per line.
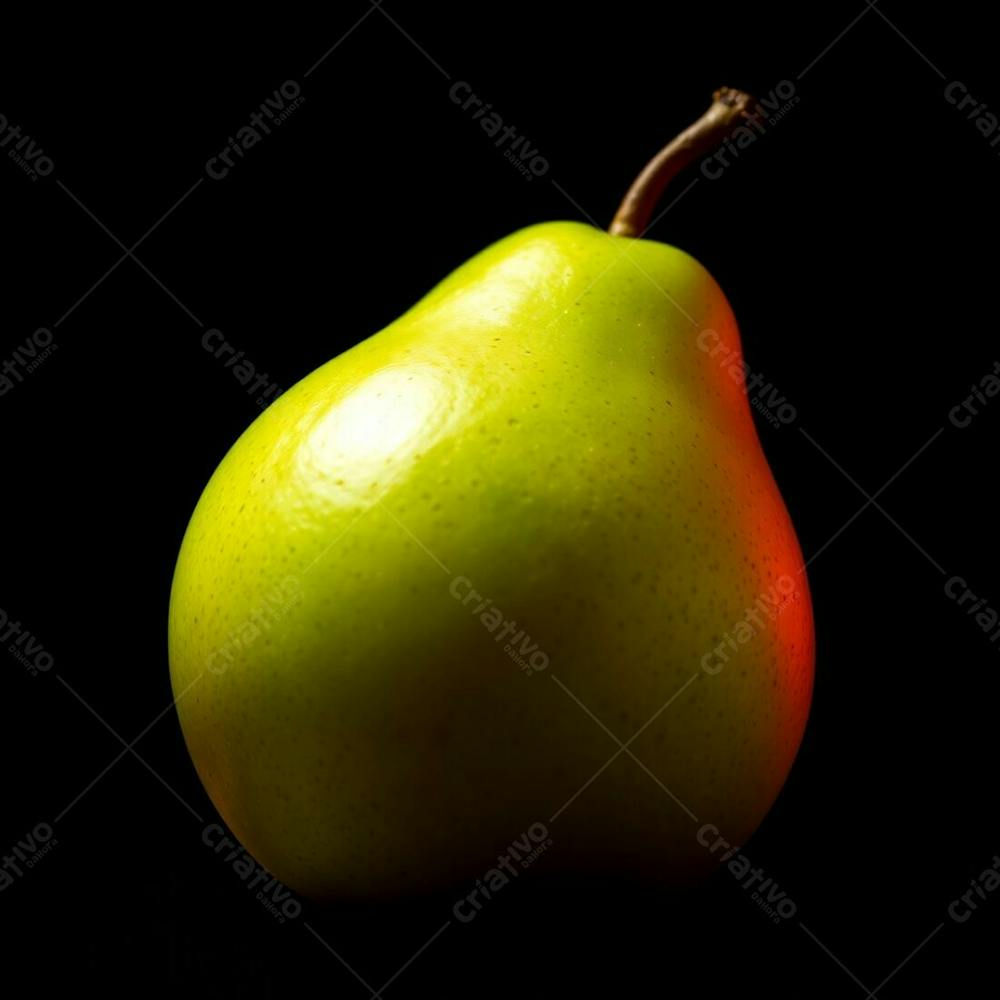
(729, 107)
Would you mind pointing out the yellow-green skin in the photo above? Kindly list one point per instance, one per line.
(550, 429)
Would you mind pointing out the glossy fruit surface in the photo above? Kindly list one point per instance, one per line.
(537, 495)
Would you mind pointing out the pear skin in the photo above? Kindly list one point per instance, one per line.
(434, 587)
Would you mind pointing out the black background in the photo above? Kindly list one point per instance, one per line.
(855, 242)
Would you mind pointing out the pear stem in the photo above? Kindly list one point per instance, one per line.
(728, 108)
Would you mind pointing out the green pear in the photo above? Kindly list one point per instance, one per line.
(432, 591)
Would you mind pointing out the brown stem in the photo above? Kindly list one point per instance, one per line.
(728, 107)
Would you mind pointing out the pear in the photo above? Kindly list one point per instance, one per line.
(509, 583)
